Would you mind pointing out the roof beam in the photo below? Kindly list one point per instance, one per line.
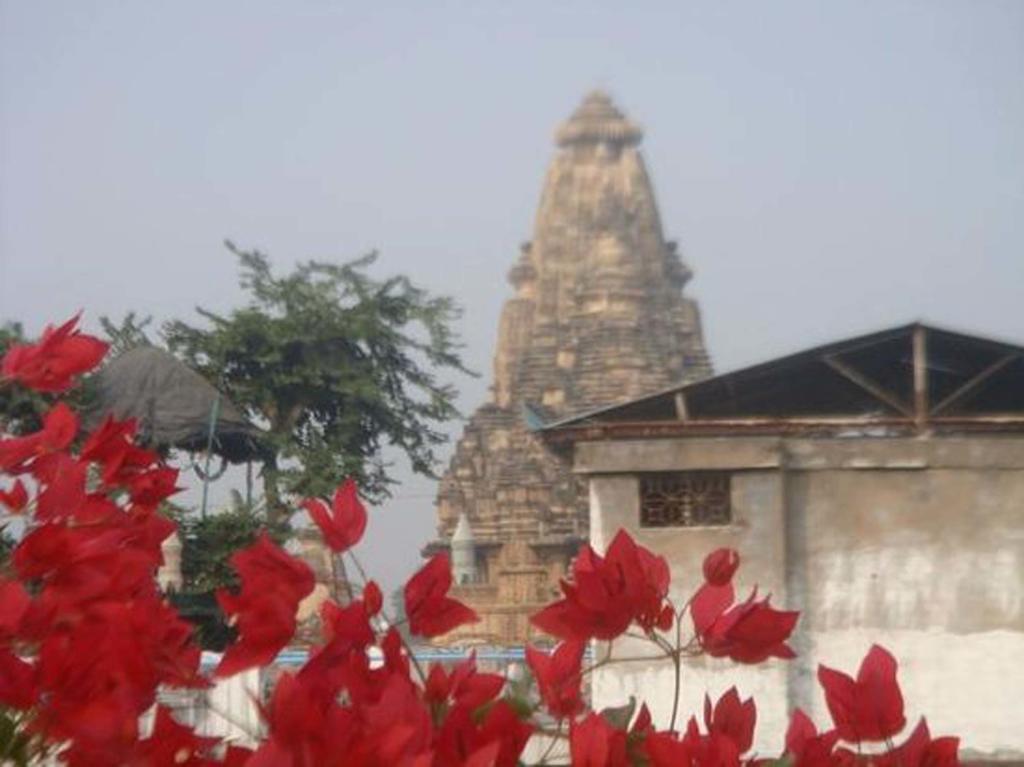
(867, 385)
(973, 383)
(920, 346)
(680, 404)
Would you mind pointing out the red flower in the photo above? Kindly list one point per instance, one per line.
(749, 632)
(663, 749)
(151, 487)
(595, 743)
(870, 708)
(920, 750)
(305, 729)
(17, 681)
(80, 565)
(720, 565)
(502, 725)
(15, 499)
(273, 584)
(237, 756)
(712, 750)
(558, 677)
(60, 425)
(343, 526)
(51, 364)
(173, 743)
(396, 727)
(805, 747)
(731, 718)
(63, 488)
(430, 610)
(112, 446)
(346, 630)
(373, 599)
(14, 603)
(466, 686)
(606, 595)
(486, 756)
(98, 672)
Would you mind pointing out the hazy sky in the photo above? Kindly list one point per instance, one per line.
(827, 167)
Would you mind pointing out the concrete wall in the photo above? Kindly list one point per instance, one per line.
(916, 544)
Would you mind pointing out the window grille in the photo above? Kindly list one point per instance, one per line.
(685, 499)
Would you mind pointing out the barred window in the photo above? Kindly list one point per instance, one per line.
(685, 499)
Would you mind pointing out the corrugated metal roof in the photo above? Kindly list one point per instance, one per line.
(909, 373)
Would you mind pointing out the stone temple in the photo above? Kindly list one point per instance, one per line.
(598, 317)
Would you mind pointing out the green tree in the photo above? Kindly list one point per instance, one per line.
(207, 546)
(128, 334)
(336, 365)
(208, 543)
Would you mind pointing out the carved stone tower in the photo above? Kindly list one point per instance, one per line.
(598, 316)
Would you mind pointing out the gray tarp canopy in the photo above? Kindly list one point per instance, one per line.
(173, 405)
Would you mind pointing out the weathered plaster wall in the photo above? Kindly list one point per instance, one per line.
(917, 544)
(757, 531)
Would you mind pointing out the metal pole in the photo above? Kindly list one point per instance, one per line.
(214, 413)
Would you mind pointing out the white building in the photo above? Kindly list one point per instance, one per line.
(874, 484)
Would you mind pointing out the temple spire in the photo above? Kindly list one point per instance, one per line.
(598, 315)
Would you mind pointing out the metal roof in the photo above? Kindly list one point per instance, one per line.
(911, 376)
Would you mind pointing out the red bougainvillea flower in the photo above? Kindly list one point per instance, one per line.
(502, 725)
(344, 523)
(870, 708)
(465, 686)
(173, 743)
(346, 630)
(99, 674)
(62, 484)
(52, 364)
(305, 729)
(919, 750)
(558, 677)
(748, 632)
(273, 584)
(396, 726)
(805, 746)
(720, 565)
(607, 594)
(430, 610)
(467, 738)
(151, 487)
(14, 603)
(732, 718)
(730, 733)
(237, 756)
(17, 681)
(18, 454)
(595, 743)
(15, 499)
(663, 749)
(112, 447)
(85, 564)
(715, 749)
(373, 598)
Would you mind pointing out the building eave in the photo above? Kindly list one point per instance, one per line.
(563, 437)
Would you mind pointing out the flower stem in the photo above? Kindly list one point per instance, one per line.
(677, 662)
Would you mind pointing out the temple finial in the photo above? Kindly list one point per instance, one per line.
(598, 119)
